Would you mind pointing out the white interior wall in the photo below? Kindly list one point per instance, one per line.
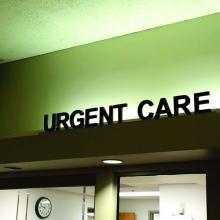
(8, 204)
(192, 195)
(140, 207)
(65, 205)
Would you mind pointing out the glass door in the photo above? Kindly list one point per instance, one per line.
(163, 197)
(54, 203)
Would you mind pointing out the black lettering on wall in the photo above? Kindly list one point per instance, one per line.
(198, 102)
(53, 123)
(89, 116)
(163, 108)
(120, 108)
(140, 110)
(104, 115)
(80, 120)
(62, 119)
(183, 105)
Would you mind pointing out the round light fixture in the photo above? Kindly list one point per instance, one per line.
(112, 161)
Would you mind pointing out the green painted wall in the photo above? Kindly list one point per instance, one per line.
(106, 195)
(182, 58)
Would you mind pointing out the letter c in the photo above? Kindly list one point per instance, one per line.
(140, 110)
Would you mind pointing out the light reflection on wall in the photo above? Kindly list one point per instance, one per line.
(178, 59)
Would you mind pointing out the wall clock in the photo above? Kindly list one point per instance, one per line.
(43, 207)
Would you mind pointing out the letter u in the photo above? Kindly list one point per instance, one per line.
(53, 126)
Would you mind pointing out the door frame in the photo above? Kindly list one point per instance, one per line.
(210, 168)
(151, 214)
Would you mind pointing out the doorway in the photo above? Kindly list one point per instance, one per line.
(162, 197)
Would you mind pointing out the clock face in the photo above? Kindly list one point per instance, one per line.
(43, 207)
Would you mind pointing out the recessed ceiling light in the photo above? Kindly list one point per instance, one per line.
(139, 194)
(114, 162)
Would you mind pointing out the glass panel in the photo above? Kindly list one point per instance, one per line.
(60, 203)
(156, 216)
(163, 197)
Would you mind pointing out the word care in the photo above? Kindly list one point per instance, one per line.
(99, 116)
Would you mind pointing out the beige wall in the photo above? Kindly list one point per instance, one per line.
(193, 196)
(106, 196)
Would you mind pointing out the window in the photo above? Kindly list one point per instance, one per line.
(163, 197)
(53, 203)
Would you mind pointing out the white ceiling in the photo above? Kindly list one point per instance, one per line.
(153, 183)
(142, 183)
(33, 27)
(146, 181)
(136, 183)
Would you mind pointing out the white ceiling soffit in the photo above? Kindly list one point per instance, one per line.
(149, 181)
(33, 27)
